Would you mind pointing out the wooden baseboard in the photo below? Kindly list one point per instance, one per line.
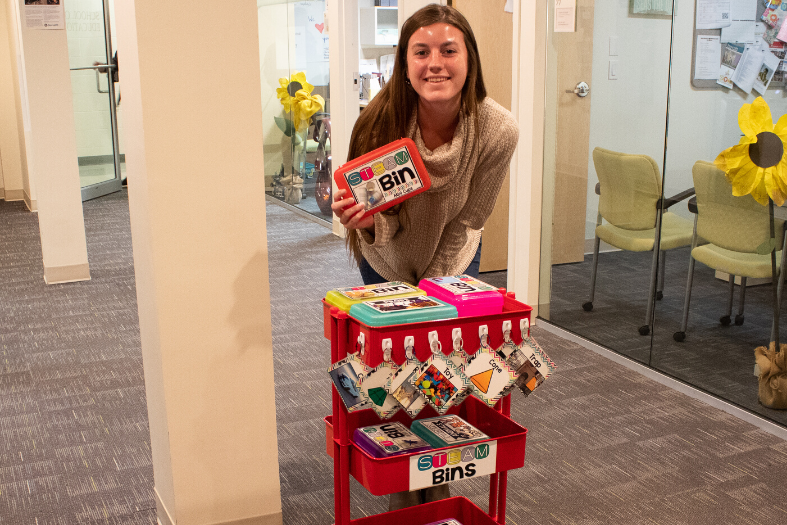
(165, 518)
(13, 195)
(31, 204)
(67, 274)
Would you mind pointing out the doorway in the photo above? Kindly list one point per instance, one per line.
(94, 83)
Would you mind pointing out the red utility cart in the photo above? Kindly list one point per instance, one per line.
(383, 476)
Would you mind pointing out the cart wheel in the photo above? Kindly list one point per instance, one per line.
(725, 320)
(659, 296)
(679, 336)
(644, 330)
(738, 320)
(588, 306)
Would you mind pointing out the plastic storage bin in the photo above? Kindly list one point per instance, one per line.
(383, 476)
(469, 295)
(402, 310)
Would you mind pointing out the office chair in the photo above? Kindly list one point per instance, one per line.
(734, 227)
(629, 191)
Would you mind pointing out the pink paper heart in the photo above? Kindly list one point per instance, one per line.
(319, 27)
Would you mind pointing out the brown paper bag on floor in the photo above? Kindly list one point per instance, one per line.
(773, 376)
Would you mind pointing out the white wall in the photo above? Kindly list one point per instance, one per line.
(629, 114)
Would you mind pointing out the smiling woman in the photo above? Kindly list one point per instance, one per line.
(436, 96)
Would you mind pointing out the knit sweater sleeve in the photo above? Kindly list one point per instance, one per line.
(385, 227)
(497, 149)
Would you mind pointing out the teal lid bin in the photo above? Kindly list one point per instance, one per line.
(402, 310)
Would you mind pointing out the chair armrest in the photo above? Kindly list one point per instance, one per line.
(693, 205)
(677, 198)
(598, 188)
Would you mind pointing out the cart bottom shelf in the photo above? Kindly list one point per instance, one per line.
(461, 509)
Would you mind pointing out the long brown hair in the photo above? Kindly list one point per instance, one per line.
(386, 117)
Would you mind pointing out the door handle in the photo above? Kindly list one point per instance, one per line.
(581, 90)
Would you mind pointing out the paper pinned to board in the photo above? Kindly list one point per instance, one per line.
(748, 68)
(743, 23)
(509, 7)
(713, 14)
(706, 60)
(770, 64)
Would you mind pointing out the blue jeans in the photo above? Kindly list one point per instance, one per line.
(370, 275)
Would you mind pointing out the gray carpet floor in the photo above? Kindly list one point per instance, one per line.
(605, 444)
(718, 359)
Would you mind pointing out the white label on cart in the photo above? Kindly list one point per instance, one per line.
(462, 284)
(444, 466)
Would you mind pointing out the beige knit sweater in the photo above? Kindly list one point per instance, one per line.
(437, 232)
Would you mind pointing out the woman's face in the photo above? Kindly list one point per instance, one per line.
(437, 63)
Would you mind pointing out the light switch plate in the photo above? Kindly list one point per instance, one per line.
(613, 69)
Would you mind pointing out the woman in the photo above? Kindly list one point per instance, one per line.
(436, 96)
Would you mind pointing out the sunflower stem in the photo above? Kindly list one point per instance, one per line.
(775, 276)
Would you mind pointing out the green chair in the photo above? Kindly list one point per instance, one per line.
(630, 201)
(734, 227)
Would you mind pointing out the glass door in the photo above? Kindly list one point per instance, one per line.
(296, 105)
(607, 85)
(94, 77)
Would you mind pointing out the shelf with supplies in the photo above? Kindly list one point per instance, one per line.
(502, 444)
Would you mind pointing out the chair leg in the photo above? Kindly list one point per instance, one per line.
(662, 270)
(681, 335)
(781, 283)
(588, 306)
(684, 324)
(645, 329)
(741, 299)
(725, 320)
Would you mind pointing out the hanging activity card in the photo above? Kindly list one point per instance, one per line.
(345, 376)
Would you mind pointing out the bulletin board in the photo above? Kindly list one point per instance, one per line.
(712, 84)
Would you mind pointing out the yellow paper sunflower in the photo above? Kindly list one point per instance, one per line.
(295, 95)
(757, 165)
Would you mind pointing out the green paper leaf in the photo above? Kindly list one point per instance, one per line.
(285, 125)
(766, 247)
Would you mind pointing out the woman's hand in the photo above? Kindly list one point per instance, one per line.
(353, 217)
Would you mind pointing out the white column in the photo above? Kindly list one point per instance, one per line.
(191, 91)
(527, 105)
(50, 143)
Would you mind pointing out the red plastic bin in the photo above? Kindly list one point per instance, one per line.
(459, 508)
(382, 476)
(513, 311)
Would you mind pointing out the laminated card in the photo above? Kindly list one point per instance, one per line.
(373, 390)
(401, 386)
(345, 376)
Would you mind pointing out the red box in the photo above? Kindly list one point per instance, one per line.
(383, 476)
(384, 177)
(459, 508)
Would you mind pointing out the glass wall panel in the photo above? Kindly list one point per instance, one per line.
(711, 343)
(607, 84)
(691, 111)
(296, 104)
